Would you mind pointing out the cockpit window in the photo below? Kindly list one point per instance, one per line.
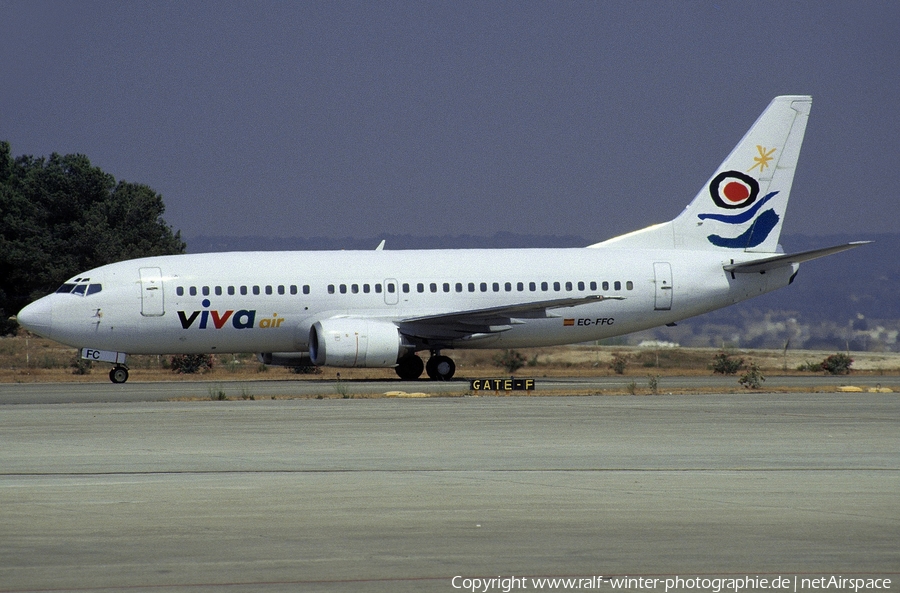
(81, 288)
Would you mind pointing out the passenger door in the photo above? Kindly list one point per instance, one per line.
(152, 298)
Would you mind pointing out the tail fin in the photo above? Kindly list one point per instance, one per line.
(742, 205)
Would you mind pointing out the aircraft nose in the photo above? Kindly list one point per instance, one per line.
(37, 317)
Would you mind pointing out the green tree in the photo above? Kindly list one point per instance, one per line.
(60, 216)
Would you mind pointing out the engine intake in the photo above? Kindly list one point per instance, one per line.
(349, 342)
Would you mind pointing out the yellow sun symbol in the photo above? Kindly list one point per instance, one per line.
(762, 161)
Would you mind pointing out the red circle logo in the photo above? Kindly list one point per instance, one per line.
(733, 189)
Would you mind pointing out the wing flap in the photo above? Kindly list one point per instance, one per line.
(491, 320)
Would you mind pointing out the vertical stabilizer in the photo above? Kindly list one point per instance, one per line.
(742, 205)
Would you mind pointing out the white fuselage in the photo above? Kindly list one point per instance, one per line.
(267, 301)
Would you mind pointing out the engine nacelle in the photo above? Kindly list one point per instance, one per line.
(354, 342)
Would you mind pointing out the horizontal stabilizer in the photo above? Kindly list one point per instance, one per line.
(770, 263)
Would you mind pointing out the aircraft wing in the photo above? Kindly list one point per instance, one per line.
(491, 320)
(778, 261)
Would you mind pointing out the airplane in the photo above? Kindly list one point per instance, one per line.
(379, 308)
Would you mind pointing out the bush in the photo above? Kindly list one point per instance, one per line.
(511, 360)
(753, 378)
(80, 366)
(725, 364)
(810, 367)
(837, 364)
(618, 364)
(191, 363)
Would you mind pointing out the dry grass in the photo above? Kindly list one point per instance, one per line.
(32, 359)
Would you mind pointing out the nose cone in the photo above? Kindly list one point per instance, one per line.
(37, 317)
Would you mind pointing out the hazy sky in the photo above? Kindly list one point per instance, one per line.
(304, 119)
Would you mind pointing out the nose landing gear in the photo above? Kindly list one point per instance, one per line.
(118, 374)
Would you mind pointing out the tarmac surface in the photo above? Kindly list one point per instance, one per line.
(407, 494)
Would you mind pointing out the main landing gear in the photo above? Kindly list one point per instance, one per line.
(118, 374)
(438, 367)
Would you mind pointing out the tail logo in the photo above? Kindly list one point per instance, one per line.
(733, 190)
(762, 161)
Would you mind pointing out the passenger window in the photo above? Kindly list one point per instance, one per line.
(483, 287)
(268, 289)
(367, 289)
(617, 285)
(520, 286)
(378, 288)
(206, 291)
(244, 290)
(433, 287)
(508, 287)
(354, 288)
(446, 287)
(496, 287)
(281, 289)
(605, 285)
(218, 291)
(545, 286)
(306, 289)
(293, 289)
(331, 289)
(459, 287)
(420, 287)
(532, 286)
(581, 286)
(343, 288)
(231, 290)
(568, 286)
(593, 286)
(471, 287)
(179, 291)
(405, 287)
(629, 285)
(256, 290)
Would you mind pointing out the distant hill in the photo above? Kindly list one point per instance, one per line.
(851, 298)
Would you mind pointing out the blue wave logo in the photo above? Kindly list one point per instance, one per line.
(755, 235)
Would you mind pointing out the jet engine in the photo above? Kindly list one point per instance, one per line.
(354, 342)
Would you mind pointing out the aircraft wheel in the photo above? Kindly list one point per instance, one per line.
(440, 368)
(410, 367)
(118, 375)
